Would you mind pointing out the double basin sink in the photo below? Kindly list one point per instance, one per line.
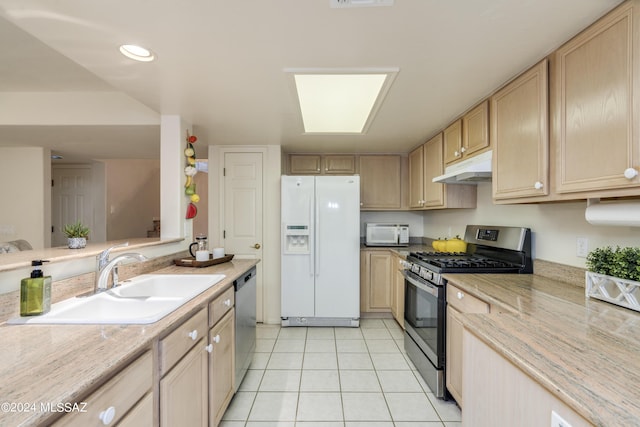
(141, 300)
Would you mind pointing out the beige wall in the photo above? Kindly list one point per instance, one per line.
(133, 197)
(555, 226)
(25, 195)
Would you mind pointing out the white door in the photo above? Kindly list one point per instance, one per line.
(337, 263)
(297, 260)
(71, 200)
(243, 204)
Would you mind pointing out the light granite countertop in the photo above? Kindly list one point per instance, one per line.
(63, 363)
(585, 352)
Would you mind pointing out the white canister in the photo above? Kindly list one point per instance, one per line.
(218, 252)
(202, 255)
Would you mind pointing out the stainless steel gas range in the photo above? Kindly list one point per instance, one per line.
(490, 249)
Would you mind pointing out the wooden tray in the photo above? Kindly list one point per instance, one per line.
(191, 261)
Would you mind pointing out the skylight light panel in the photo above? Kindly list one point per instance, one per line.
(340, 102)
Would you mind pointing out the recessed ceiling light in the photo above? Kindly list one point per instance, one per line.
(56, 157)
(340, 101)
(137, 53)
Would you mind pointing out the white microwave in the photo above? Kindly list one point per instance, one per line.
(386, 234)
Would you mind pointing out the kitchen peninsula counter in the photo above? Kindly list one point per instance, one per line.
(585, 352)
(51, 364)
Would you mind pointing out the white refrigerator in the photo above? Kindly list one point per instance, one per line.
(320, 250)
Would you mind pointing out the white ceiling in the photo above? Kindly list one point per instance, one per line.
(220, 66)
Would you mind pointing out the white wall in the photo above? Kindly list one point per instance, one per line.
(555, 226)
(25, 192)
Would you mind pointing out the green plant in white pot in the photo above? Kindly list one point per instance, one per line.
(614, 276)
(76, 235)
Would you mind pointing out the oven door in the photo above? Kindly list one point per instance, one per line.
(424, 317)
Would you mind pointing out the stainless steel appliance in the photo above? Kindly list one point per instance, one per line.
(377, 234)
(490, 249)
(245, 295)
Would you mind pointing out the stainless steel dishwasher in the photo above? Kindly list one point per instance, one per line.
(245, 289)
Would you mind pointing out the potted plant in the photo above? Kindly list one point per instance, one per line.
(76, 235)
(614, 275)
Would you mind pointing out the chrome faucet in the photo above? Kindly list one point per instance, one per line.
(112, 267)
(102, 259)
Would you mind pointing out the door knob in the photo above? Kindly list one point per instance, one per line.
(256, 246)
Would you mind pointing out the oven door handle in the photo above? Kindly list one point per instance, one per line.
(427, 287)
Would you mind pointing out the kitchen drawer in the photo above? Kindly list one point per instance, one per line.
(219, 306)
(464, 302)
(177, 343)
(116, 397)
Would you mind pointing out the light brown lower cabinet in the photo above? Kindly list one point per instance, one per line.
(375, 281)
(221, 366)
(497, 393)
(122, 400)
(458, 301)
(183, 391)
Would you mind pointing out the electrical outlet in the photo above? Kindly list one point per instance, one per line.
(558, 421)
(582, 247)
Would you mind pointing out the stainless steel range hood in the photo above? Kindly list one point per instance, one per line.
(470, 171)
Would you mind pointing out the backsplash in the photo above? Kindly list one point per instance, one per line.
(555, 226)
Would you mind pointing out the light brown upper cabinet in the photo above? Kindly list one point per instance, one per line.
(520, 136)
(434, 192)
(425, 163)
(416, 178)
(304, 164)
(468, 136)
(340, 164)
(453, 142)
(595, 89)
(321, 164)
(475, 130)
(380, 182)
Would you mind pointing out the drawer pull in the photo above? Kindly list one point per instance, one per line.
(108, 415)
(209, 348)
(216, 339)
(630, 173)
(193, 334)
(227, 302)
(460, 295)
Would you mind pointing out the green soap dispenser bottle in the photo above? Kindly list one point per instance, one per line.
(35, 292)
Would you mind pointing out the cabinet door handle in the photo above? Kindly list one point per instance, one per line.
(193, 334)
(216, 339)
(630, 173)
(108, 415)
(457, 153)
(227, 302)
(460, 295)
(462, 150)
(538, 185)
(209, 348)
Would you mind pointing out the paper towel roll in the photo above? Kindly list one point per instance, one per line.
(619, 214)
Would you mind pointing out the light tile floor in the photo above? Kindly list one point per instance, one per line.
(336, 377)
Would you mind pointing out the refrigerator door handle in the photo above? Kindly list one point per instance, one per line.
(316, 233)
(312, 240)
